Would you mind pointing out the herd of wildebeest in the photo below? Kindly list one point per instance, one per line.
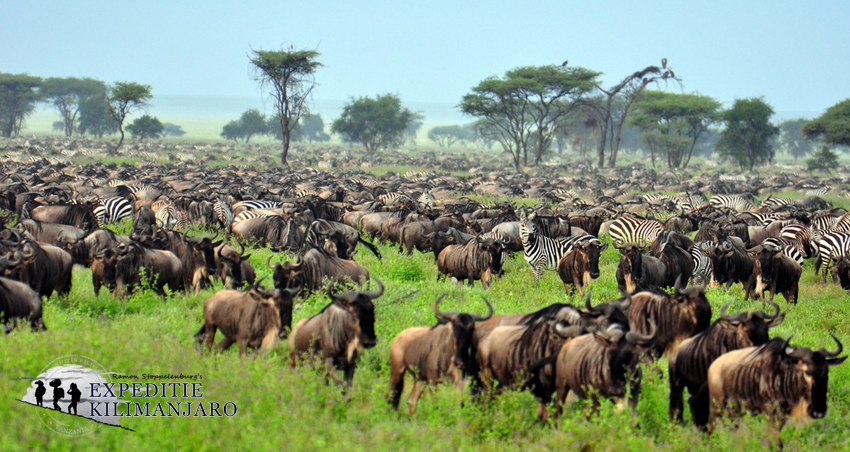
(57, 213)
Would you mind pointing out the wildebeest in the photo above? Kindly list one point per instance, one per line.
(677, 316)
(478, 259)
(45, 268)
(52, 233)
(601, 363)
(348, 236)
(311, 269)
(339, 332)
(776, 272)
(233, 267)
(19, 301)
(689, 363)
(144, 222)
(253, 318)
(732, 264)
(273, 231)
(638, 272)
(122, 268)
(433, 354)
(581, 265)
(776, 379)
(197, 257)
(677, 261)
(78, 215)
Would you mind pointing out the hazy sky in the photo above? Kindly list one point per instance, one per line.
(795, 54)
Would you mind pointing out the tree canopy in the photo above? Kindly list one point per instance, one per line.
(672, 123)
(125, 98)
(521, 109)
(146, 127)
(375, 123)
(96, 117)
(792, 138)
(67, 95)
(746, 140)
(313, 128)
(833, 126)
(447, 136)
(822, 160)
(18, 97)
(290, 77)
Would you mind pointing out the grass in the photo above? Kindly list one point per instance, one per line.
(281, 407)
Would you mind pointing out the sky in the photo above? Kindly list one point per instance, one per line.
(792, 53)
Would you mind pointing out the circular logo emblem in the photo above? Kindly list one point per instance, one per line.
(65, 385)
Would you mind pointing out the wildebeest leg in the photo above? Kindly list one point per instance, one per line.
(332, 371)
(210, 335)
(225, 344)
(243, 347)
(396, 386)
(676, 405)
(414, 396)
(700, 406)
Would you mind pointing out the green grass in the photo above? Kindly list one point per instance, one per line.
(279, 407)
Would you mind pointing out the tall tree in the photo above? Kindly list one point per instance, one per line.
(314, 128)
(18, 96)
(792, 138)
(251, 123)
(748, 134)
(125, 98)
(833, 126)
(681, 118)
(520, 111)
(375, 123)
(611, 118)
(290, 75)
(447, 136)
(96, 117)
(66, 95)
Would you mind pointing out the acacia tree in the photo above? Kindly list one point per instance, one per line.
(18, 96)
(611, 118)
(673, 123)
(290, 75)
(375, 123)
(446, 136)
(313, 128)
(520, 111)
(96, 117)
(146, 127)
(125, 98)
(67, 95)
(833, 126)
(748, 133)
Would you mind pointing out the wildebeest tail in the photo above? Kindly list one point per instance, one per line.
(371, 247)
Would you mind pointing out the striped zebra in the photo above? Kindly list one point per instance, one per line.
(733, 178)
(223, 214)
(426, 199)
(703, 268)
(543, 252)
(842, 224)
(638, 231)
(772, 201)
(165, 213)
(135, 188)
(305, 192)
(735, 202)
(254, 204)
(392, 198)
(112, 210)
(250, 214)
(824, 222)
(801, 234)
(368, 183)
(829, 247)
(819, 191)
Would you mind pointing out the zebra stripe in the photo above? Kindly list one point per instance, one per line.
(254, 204)
(734, 202)
(543, 252)
(770, 201)
(112, 210)
(790, 248)
(638, 231)
(829, 247)
(223, 213)
(703, 269)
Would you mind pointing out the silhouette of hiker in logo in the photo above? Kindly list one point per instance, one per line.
(58, 393)
(40, 390)
(75, 397)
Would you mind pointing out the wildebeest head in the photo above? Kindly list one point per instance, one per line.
(842, 267)
(815, 365)
(281, 298)
(624, 351)
(463, 327)
(770, 257)
(751, 326)
(633, 260)
(205, 246)
(693, 301)
(594, 249)
(285, 273)
(230, 265)
(607, 314)
(360, 305)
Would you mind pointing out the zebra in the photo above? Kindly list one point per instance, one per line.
(543, 252)
(731, 178)
(772, 201)
(426, 199)
(735, 202)
(392, 198)
(824, 222)
(305, 192)
(112, 210)
(141, 187)
(639, 231)
(223, 213)
(842, 224)
(800, 234)
(703, 269)
(167, 216)
(829, 247)
(254, 204)
(819, 191)
(251, 214)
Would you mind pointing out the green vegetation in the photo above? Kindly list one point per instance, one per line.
(279, 406)
(146, 127)
(823, 160)
(746, 140)
(833, 126)
(378, 123)
(18, 97)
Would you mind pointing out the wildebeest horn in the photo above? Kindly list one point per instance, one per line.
(25, 254)
(767, 316)
(643, 339)
(448, 315)
(835, 353)
(723, 310)
(377, 294)
(567, 331)
(269, 262)
(787, 346)
(479, 318)
(343, 298)
(587, 301)
(677, 287)
(242, 251)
